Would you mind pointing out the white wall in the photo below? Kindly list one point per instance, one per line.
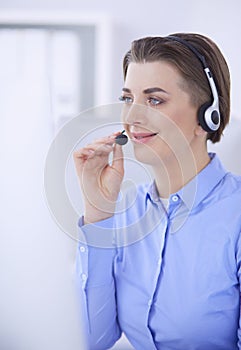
(37, 301)
(218, 19)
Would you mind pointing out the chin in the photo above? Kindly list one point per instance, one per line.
(151, 157)
(146, 156)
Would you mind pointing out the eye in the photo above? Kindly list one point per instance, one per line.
(153, 101)
(126, 99)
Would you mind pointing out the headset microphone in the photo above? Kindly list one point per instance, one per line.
(208, 114)
(121, 139)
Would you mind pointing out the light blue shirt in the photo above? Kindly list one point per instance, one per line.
(166, 276)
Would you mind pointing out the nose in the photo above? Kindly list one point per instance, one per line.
(134, 114)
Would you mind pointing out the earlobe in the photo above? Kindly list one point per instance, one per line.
(199, 131)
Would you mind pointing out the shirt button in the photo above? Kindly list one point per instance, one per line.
(159, 261)
(84, 277)
(175, 198)
(149, 302)
(82, 249)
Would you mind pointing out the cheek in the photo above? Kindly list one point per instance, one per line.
(186, 121)
(127, 131)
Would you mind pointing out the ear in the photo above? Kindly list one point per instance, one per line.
(198, 131)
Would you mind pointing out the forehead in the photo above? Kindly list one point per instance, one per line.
(149, 74)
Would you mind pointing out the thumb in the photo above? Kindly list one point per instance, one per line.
(118, 161)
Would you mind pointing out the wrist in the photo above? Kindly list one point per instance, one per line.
(92, 215)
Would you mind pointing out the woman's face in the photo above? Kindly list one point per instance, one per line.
(157, 114)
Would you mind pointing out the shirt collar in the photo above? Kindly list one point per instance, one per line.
(199, 187)
(152, 192)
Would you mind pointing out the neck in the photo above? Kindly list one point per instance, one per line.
(174, 174)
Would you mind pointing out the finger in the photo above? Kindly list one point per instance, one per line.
(107, 140)
(92, 150)
(82, 154)
(118, 161)
(100, 147)
(110, 139)
(94, 158)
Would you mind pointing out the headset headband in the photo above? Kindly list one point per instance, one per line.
(208, 115)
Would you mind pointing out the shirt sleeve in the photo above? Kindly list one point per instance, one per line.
(95, 265)
(238, 254)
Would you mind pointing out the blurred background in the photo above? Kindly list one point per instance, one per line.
(59, 58)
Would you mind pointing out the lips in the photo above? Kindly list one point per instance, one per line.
(143, 137)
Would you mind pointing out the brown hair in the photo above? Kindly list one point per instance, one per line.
(151, 49)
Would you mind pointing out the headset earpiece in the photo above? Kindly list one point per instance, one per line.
(201, 116)
(209, 117)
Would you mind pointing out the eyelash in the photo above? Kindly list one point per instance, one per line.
(126, 99)
(156, 103)
(151, 100)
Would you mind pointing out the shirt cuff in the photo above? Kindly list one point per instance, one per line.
(95, 258)
(99, 234)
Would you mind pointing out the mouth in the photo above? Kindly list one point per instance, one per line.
(142, 137)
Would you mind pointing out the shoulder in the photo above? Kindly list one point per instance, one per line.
(229, 202)
(231, 184)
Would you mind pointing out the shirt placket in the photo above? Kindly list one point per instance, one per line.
(174, 204)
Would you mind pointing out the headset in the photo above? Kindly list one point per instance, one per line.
(208, 114)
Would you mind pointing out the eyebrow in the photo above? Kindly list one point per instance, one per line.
(147, 91)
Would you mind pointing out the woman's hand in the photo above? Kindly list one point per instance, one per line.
(100, 181)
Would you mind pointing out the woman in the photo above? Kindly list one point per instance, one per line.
(168, 276)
